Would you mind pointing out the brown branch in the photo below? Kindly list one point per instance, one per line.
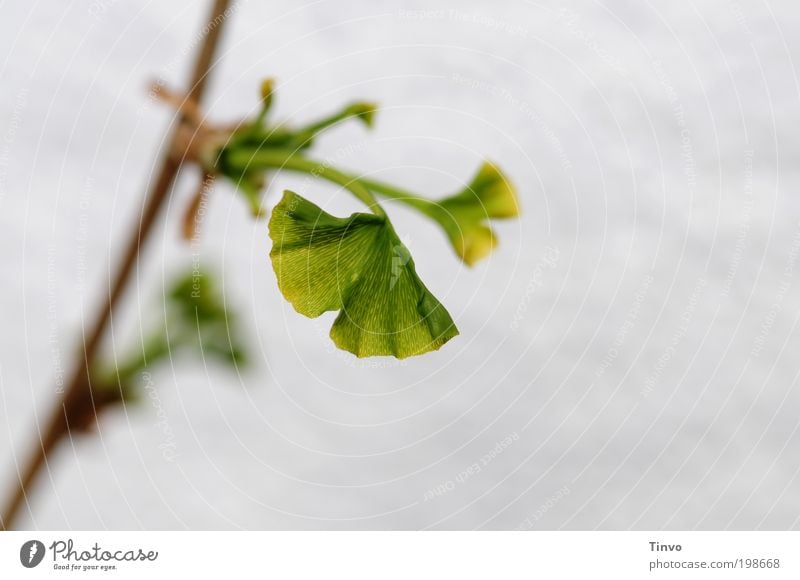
(193, 214)
(78, 397)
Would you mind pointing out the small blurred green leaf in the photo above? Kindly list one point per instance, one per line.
(197, 318)
(196, 321)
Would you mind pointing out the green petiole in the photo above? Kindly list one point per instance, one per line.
(248, 159)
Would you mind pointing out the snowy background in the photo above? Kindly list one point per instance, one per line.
(628, 355)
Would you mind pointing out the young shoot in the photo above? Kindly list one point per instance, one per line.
(356, 266)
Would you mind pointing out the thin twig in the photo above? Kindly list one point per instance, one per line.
(193, 214)
(78, 396)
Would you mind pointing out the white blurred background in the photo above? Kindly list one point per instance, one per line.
(628, 355)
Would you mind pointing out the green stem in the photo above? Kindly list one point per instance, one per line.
(247, 159)
(310, 131)
(267, 87)
(404, 196)
(154, 348)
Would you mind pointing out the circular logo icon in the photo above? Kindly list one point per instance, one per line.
(31, 553)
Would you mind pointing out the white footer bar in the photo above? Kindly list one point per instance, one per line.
(401, 555)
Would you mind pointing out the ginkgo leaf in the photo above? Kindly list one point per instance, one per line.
(359, 267)
(465, 215)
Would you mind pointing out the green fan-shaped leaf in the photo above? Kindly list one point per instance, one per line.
(465, 215)
(358, 266)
